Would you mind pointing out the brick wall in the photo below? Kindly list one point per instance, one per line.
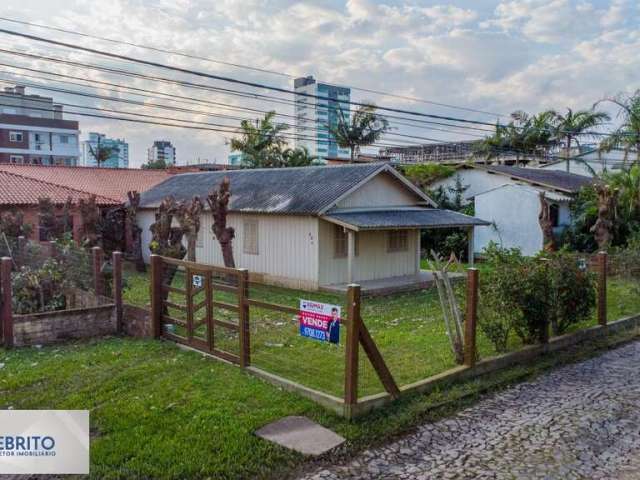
(52, 327)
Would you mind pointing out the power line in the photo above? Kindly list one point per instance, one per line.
(217, 89)
(197, 112)
(246, 67)
(228, 79)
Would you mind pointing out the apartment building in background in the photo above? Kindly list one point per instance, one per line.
(33, 130)
(162, 150)
(317, 106)
(119, 149)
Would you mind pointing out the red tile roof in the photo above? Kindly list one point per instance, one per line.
(113, 183)
(20, 190)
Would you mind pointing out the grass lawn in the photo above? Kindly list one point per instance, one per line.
(408, 329)
(161, 412)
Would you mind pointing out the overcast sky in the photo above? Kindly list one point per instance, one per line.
(487, 55)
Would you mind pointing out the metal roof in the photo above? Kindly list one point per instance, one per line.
(302, 190)
(565, 181)
(403, 218)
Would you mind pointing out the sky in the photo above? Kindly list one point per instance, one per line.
(493, 57)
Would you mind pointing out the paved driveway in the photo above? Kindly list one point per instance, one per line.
(579, 421)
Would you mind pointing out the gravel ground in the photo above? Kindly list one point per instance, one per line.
(581, 421)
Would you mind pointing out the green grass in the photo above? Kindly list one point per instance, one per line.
(161, 412)
(408, 329)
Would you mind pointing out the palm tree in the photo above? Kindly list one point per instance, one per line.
(101, 153)
(297, 157)
(573, 126)
(365, 128)
(627, 135)
(261, 142)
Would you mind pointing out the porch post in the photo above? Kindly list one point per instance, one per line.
(351, 248)
(471, 248)
(418, 252)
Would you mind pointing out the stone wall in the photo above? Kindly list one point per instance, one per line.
(52, 327)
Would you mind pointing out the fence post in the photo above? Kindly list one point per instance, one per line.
(243, 317)
(116, 259)
(156, 294)
(6, 314)
(352, 348)
(471, 318)
(97, 260)
(602, 288)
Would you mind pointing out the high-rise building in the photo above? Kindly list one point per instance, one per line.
(119, 149)
(322, 105)
(33, 131)
(162, 150)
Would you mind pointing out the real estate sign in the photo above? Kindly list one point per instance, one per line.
(320, 321)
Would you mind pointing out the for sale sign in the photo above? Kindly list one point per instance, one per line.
(320, 321)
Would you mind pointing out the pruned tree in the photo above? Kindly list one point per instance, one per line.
(12, 224)
(166, 239)
(218, 201)
(47, 220)
(136, 232)
(90, 219)
(602, 229)
(188, 216)
(546, 224)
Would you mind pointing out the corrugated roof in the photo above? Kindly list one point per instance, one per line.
(113, 183)
(404, 218)
(567, 182)
(20, 190)
(303, 190)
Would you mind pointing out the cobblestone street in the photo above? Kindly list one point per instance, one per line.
(581, 421)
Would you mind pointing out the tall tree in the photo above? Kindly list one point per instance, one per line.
(627, 135)
(218, 201)
(134, 230)
(261, 142)
(365, 128)
(297, 157)
(571, 127)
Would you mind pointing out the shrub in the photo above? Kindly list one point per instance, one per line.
(573, 292)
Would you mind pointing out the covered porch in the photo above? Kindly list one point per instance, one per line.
(394, 220)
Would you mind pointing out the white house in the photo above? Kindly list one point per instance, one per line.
(315, 227)
(508, 197)
(593, 162)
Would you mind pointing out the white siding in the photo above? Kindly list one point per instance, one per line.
(287, 252)
(373, 260)
(381, 191)
(479, 181)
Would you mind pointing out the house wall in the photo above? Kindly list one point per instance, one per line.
(479, 181)
(381, 191)
(373, 260)
(287, 247)
(514, 209)
(31, 217)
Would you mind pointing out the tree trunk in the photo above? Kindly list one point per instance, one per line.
(219, 203)
(546, 225)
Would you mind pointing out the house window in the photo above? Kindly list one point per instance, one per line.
(16, 159)
(397, 241)
(554, 214)
(15, 136)
(250, 237)
(64, 139)
(341, 243)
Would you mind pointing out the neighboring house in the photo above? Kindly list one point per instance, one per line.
(314, 227)
(162, 150)
(22, 185)
(508, 197)
(593, 162)
(21, 193)
(316, 110)
(119, 149)
(33, 131)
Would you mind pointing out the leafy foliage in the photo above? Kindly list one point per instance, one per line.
(424, 174)
(366, 127)
(627, 135)
(159, 164)
(263, 145)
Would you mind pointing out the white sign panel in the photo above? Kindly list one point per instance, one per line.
(44, 441)
(197, 281)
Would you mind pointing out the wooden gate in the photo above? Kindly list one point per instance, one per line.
(202, 306)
